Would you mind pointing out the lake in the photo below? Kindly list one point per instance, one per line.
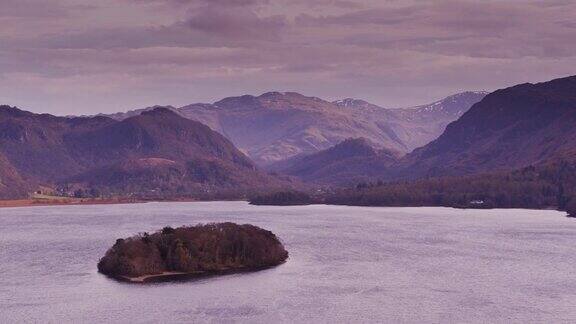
(347, 264)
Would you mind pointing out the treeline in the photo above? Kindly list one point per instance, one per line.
(547, 186)
(283, 198)
(196, 192)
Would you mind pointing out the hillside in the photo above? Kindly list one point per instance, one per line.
(156, 153)
(414, 126)
(11, 184)
(509, 129)
(349, 162)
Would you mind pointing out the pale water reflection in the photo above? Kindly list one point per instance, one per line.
(347, 264)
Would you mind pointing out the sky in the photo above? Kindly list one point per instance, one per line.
(85, 57)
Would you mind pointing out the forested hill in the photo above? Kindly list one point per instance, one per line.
(544, 186)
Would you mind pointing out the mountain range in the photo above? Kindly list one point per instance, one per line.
(202, 149)
(279, 125)
(512, 128)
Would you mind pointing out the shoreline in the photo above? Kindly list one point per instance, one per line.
(170, 276)
(68, 201)
(16, 203)
(21, 203)
(164, 276)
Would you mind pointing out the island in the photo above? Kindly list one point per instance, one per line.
(192, 251)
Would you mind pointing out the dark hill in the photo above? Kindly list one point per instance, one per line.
(120, 157)
(352, 160)
(156, 133)
(509, 129)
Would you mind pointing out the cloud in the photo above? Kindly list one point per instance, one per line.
(236, 23)
(31, 9)
(197, 3)
(476, 29)
(180, 51)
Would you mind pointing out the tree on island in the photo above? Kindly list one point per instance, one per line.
(210, 248)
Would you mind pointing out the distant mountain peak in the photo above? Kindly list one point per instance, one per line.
(136, 112)
(160, 111)
(473, 95)
(451, 107)
(279, 94)
(249, 99)
(466, 93)
(354, 103)
(288, 95)
(349, 102)
(7, 108)
(12, 111)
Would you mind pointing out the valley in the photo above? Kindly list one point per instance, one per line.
(344, 152)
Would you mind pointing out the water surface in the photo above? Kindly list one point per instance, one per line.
(347, 264)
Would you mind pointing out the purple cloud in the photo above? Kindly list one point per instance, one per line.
(236, 23)
(114, 55)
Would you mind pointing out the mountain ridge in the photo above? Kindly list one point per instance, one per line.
(509, 129)
(121, 157)
(275, 126)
